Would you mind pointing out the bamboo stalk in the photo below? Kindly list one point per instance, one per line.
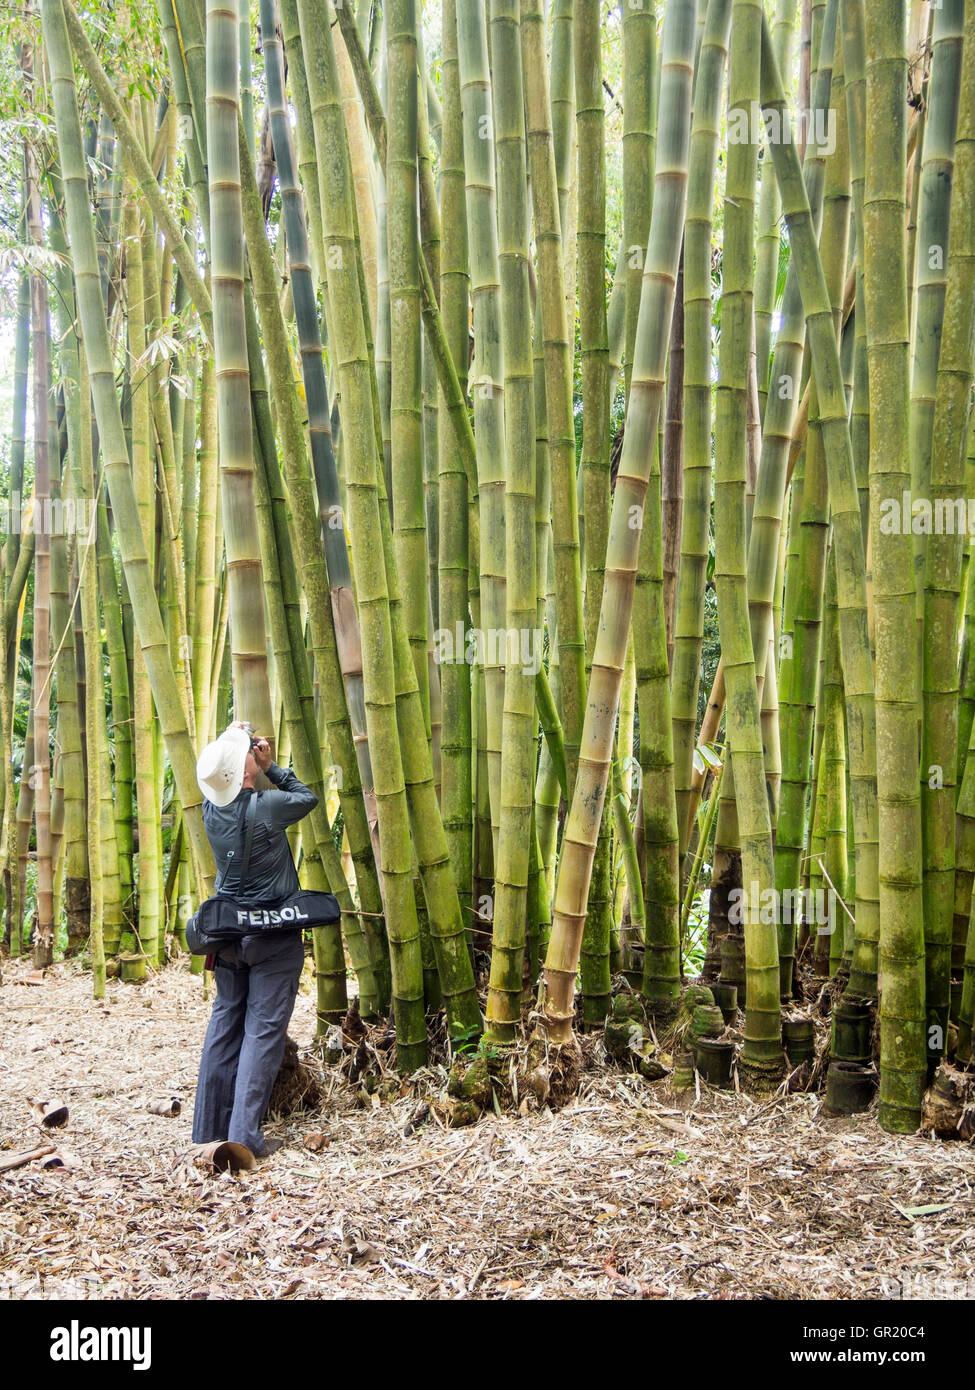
(350, 345)
(646, 390)
(518, 731)
(88, 289)
(902, 1018)
(689, 602)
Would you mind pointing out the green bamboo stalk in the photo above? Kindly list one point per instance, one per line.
(19, 938)
(345, 624)
(661, 959)
(13, 582)
(802, 638)
(139, 579)
(39, 753)
(639, 140)
(76, 890)
(321, 862)
(452, 567)
(544, 155)
(594, 459)
(300, 710)
(518, 732)
(768, 242)
(350, 346)
(855, 82)
(18, 426)
(134, 152)
(121, 788)
(689, 604)
(646, 390)
(762, 1050)
(144, 481)
(779, 427)
(594, 343)
(488, 387)
(204, 602)
(902, 1018)
(710, 811)
(88, 587)
(940, 475)
(834, 769)
(406, 422)
(844, 505)
(827, 177)
(252, 699)
(362, 175)
(560, 117)
(304, 140)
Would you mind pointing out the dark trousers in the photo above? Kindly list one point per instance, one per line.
(257, 980)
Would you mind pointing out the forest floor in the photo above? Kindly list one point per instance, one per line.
(628, 1192)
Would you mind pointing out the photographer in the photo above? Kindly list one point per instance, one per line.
(257, 976)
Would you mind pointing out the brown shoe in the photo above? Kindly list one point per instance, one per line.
(271, 1147)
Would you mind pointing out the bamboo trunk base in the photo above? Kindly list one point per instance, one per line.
(850, 1040)
(133, 968)
(733, 964)
(715, 1059)
(682, 1077)
(849, 1088)
(726, 998)
(760, 1077)
(799, 1039)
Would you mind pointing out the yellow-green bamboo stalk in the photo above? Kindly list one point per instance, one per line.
(452, 565)
(88, 288)
(39, 751)
(762, 1050)
(406, 424)
(518, 755)
(695, 533)
(144, 481)
(488, 368)
(844, 504)
(545, 162)
(940, 473)
(248, 638)
(902, 1018)
(349, 343)
(646, 390)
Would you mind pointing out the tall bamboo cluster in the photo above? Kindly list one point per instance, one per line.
(551, 425)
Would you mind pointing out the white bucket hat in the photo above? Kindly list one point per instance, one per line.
(220, 768)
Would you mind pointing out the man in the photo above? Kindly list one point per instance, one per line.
(257, 977)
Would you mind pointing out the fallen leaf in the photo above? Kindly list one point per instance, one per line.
(929, 1210)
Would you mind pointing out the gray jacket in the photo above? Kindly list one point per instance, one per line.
(271, 875)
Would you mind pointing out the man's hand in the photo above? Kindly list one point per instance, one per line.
(262, 753)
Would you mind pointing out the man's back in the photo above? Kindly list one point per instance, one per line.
(271, 875)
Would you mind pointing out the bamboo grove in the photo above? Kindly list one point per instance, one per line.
(436, 386)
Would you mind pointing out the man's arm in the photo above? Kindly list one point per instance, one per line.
(290, 799)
